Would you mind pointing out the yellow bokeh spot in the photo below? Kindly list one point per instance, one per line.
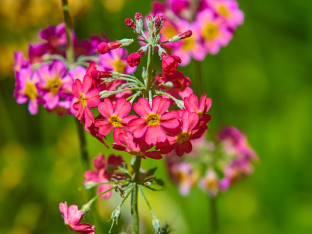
(119, 66)
(188, 43)
(54, 84)
(169, 31)
(210, 31)
(224, 11)
(114, 5)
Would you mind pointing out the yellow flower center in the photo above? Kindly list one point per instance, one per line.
(119, 66)
(183, 136)
(212, 184)
(30, 90)
(224, 11)
(53, 85)
(169, 31)
(182, 176)
(83, 100)
(200, 114)
(188, 43)
(136, 153)
(153, 119)
(115, 121)
(210, 31)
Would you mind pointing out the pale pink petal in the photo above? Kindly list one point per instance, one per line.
(142, 107)
(122, 107)
(137, 127)
(170, 119)
(106, 108)
(160, 105)
(155, 134)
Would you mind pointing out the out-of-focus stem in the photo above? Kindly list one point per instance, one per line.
(82, 144)
(213, 215)
(199, 77)
(134, 197)
(70, 47)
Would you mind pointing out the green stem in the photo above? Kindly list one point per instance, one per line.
(213, 215)
(70, 47)
(82, 144)
(199, 77)
(149, 69)
(147, 202)
(134, 197)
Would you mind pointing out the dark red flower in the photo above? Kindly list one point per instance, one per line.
(170, 63)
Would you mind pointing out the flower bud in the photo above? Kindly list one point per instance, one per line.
(134, 58)
(104, 47)
(156, 224)
(138, 16)
(170, 63)
(181, 36)
(159, 19)
(100, 74)
(129, 22)
(116, 214)
(86, 208)
(90, 185)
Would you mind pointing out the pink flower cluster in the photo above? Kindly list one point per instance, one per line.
(222, 171)
(212, 22)
(46, 78)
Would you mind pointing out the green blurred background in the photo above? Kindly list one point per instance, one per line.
(260, 83)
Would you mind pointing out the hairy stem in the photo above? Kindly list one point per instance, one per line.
(149, 68)
(134, 197)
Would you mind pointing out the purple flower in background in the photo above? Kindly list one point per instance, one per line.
(116, 60)
(19, 61)
(26, 89)
(53, 83)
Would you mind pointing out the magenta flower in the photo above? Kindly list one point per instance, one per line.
(180, 138)
(116, 60)
(229, 11)
(54, 37)
(53, 83)
(213, 31)
(191, 47)
(116, 117)
(201, 108)
(86, 97)
(103, 173)
(26, 89)
(19, 61)
(153, 120)
(180, 83)
(72, 216)
(137, 147)
(184, 175)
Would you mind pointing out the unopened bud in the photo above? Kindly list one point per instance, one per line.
(162, 52)
(115, 216)
(130, 23)
(100, 74)
(86, 208)
(168, 84)
(158, 21)
(90, 185)
(156, 224)
(104, 47)
(138, 16)
(185, 34)
(148, 183)
(180, 104)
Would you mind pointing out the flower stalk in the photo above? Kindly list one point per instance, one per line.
(134, 197)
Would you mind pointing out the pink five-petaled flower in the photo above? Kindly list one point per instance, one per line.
(170, 63)
(153, 120)
(87, 97)
(72, 216)
(116, 117)
(54, 85)
(181, 137)
(26, 89)
(104, 171)
(137, 147)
